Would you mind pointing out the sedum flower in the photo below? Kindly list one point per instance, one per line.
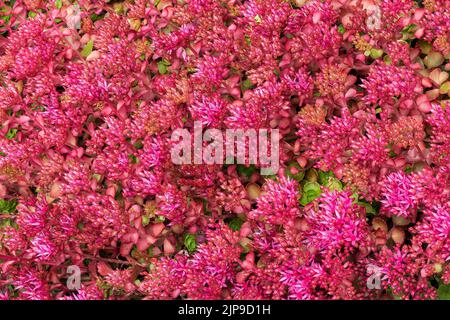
(440, 122)
(386, 82)
(91, 93)
(338, 223)
(278, 204)
(398, 195)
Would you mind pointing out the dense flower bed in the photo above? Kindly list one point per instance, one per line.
(91, 90)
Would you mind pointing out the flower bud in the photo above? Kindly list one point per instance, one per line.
(253, 191)
(398, 235)
(379, 223)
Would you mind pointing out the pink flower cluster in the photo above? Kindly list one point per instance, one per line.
(91, 91)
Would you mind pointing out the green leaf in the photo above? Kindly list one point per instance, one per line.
(311, 191)
(166, 62)
(58, 4)
(387, 60)
(37, 107)
(312, 187)
(409, 29)
(355, 196)
(7, 206)
(258, 19)
(444, 292)
(334, 184)
(6, 18)
(133, 158)
(392, 154)
(235, 224)
(11, 134)
(328, 179)
(145, 220)
(425, 47)
(376, 53)
(138, 144)
(8, 223)
(205, 207)
(162, 68)
(246, 84)
(190, 242)
(95, 17)
(246, 171)
(87, 50)
(324, 176)
(248, 40)
(32, 14)
(341, 29)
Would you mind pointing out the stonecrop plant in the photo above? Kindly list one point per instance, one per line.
(93, 207)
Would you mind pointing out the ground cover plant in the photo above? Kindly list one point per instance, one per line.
(93, 207)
